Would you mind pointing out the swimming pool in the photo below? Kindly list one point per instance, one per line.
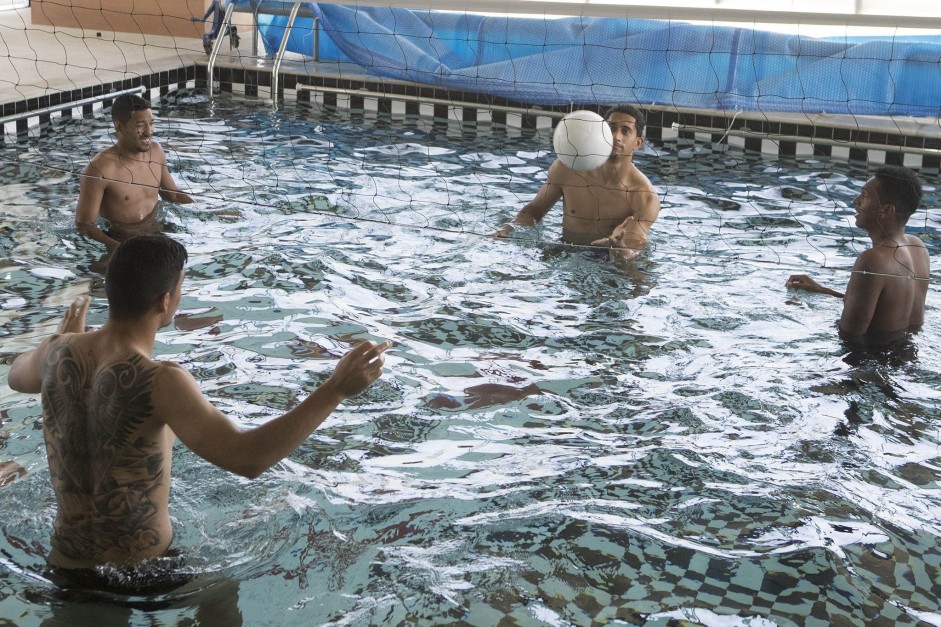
(557, 439)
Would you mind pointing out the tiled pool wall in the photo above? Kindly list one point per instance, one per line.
(32, 116)
(784, 135)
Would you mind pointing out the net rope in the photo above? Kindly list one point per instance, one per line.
(94, 57)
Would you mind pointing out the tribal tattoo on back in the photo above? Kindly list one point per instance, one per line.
(106, 469)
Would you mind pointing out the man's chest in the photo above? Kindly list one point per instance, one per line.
(598, 202)
(137, 179)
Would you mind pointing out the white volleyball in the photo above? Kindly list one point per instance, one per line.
(582, 140)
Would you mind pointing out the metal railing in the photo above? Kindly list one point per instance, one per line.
(70, 105)
(292, 9)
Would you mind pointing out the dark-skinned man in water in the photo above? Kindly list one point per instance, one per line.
(885, 296)
(122, 182)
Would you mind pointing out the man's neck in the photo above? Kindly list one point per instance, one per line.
(135, 336)
(887, 235)
(131, 154)
(619, 166)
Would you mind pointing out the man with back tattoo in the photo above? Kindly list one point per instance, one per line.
(111, 413)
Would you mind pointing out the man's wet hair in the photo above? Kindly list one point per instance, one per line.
(140, 271)
(640, 120)
(901, 187)
(124, 106)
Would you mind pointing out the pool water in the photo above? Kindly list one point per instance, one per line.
(557, 439)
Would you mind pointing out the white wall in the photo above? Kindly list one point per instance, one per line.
(9, 5)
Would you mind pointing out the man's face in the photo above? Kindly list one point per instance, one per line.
(623, 135)
(135, 134)
(868, 205)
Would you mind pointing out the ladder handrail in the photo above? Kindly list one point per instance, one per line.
(217, 44)
(276, 68)
(256, 7)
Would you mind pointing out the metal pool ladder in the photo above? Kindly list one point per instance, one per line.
(266, 7)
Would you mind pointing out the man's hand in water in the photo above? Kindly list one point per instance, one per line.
(804, 282)
(624, 242)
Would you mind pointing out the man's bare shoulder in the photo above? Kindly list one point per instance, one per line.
(171, 380)
(80, 342)
(892, 259)
(561, 174)
(637, 181)
(157, 153)
(171, 370)
(177, 396)
(644, 197)
(915, 242)
(877, 263)
(104, 162)
(873, 259)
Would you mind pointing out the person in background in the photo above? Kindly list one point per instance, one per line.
(613, 205)
(885, 296)
(121, 183)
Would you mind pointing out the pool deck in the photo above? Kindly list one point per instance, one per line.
(39, 60)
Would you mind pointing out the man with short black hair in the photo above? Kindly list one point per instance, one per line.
(121, 183)
(613, 205)
(111, 413)
(886, 293)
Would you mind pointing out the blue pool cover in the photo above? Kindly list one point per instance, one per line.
(584, 60)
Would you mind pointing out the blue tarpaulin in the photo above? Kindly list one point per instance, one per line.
(585, 60)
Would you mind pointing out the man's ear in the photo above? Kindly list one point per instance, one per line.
(163, 302)
(888, 210)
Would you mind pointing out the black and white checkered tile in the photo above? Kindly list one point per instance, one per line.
(789, 139)
(765, 136)
(768, 136)
(32, 116)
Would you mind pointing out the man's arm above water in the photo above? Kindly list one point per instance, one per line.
(862, 295)
(631, 236)
(216, 438)
(26, 372)
(536, 209)
(804, 282)
(91, 193)
(169, 190)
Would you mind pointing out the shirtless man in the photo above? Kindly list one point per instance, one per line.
(111, 413)
(613, 205)
(121, 183)
(886, 292)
